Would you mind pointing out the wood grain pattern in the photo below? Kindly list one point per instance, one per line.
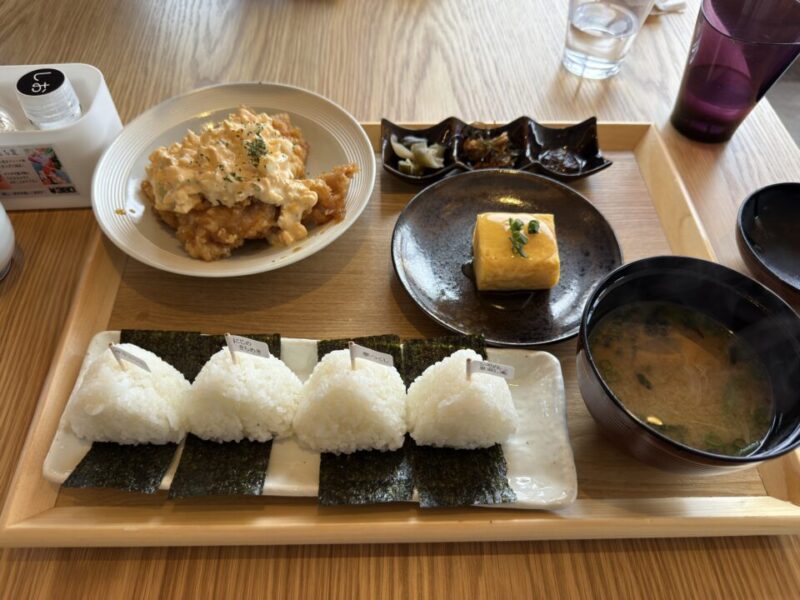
(299, 300)
(407, 61)
(618, 496)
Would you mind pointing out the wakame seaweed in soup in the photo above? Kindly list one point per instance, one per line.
(685, 375)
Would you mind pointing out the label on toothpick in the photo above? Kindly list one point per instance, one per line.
(489, 368)
(121, 354)
(238, 343)
(381, 358)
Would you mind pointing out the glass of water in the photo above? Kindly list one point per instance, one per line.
(600, 34)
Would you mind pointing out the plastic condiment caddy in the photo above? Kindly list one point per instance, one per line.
(53, 168)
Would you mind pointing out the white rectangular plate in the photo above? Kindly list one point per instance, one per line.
(541, 469)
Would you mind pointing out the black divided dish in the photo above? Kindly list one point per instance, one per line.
(566, 154)
(768, 236)
(569, 153)
(519, 143)
(443, 133)
(741, 304)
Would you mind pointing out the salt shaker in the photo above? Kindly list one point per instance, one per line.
(7, 243)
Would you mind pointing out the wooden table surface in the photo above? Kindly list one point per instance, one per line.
(406, 60)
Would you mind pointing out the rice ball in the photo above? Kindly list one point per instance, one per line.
(343, 409)
(447, 409)
(129, 405)
(254, 398)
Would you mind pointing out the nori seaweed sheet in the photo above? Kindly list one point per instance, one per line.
(188, 351)
(127, 467)
(140, 468)
(418, 355)
(220, 469)
(449, 476)
(389, 344)
(366, 476)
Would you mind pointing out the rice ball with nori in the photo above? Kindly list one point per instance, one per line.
(343, 409)
(254, 398)
(448, 410)
(129, 405)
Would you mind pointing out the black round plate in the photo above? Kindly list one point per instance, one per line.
(767, 235)
(432, 249)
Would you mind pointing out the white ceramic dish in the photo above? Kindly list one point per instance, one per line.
(334, 137)
(541, 468)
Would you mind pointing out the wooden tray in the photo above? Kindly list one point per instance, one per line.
(349, 289)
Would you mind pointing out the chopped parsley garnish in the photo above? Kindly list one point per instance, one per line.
(518, 238)
(256, 148)
(533, 226)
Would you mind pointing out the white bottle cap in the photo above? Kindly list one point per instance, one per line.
(48, 98)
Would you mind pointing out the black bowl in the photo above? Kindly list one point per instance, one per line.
(768, 236)
(744, 306)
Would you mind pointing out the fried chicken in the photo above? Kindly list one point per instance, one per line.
(212, 232)
(242, 179)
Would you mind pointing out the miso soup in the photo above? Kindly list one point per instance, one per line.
(686, 375)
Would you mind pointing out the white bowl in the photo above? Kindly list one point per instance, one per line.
(334, 137)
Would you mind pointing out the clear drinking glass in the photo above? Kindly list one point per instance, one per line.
(600, 33)
(740, 48)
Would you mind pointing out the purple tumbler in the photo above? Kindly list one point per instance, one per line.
(740, 48)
